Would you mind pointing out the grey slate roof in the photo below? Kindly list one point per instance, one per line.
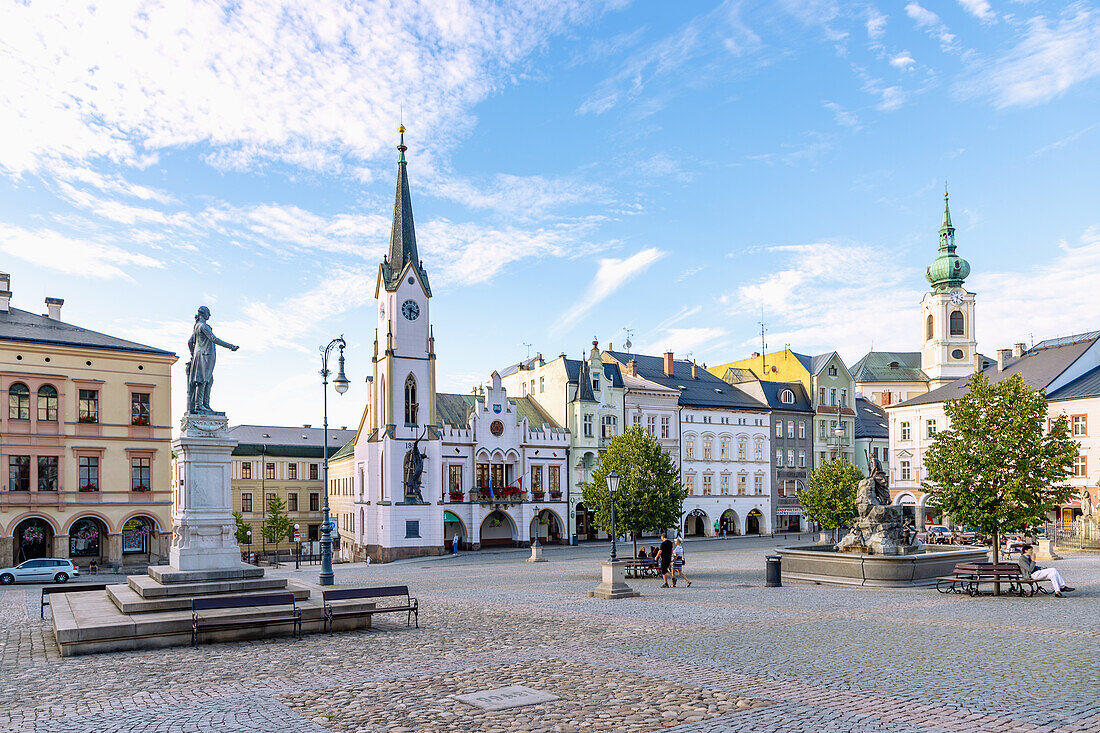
(1086, 385)
(584, 384)
(455, 410)
(572, 370)
(870, 420)
(706, 390)
(21, 325)
(1039, 366)
(889, 366)
(287, 441)
(770, 392)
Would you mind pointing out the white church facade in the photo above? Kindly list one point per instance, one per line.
(423, 466)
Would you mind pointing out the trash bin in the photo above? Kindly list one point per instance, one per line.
(773, 575)
(574, 542)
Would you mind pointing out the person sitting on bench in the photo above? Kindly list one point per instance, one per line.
(1031, 571)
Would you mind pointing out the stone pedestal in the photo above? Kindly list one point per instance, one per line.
(1044, 550)
(614, 583)
(203, 527)
(536, 554)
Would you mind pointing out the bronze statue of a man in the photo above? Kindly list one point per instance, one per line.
(200, 370)
(878, 478)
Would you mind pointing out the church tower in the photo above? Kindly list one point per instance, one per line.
(404, 488)
(947, 313)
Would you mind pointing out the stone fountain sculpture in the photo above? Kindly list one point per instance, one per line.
(880, 528)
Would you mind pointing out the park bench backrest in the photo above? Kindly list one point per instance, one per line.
(73, 588)
(381, 592)
(274, 599)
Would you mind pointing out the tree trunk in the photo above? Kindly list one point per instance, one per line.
(635, 535)
(996, 552)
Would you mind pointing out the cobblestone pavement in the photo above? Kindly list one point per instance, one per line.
(726, 654)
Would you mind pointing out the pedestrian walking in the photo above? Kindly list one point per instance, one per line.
(454, 545)
(665, 561)
(678, 563)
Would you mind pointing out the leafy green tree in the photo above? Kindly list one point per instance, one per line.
(995, 468)
(242, 530)
(830, 499)
(277, 525)
(650, 495)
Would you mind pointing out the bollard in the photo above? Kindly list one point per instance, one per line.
(773, 575)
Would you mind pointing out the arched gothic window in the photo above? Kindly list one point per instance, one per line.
(410, 400)
(928, 328)
(957, 323)
(19, 402)
(47, 403)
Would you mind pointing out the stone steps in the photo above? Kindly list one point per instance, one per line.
(128, 600)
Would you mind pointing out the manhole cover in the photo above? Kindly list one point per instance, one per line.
(503, 698)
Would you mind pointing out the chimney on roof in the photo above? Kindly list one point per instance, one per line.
(5, 292)
(53, 308)
(977, 363)
(756, 355)
(669, 367)
(307, 425)
(610, 346)
(694, 370)
(1003, 355)
(1018, 350)
(343, 427)
(632, 368)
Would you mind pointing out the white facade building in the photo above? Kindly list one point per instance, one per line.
(725, 446)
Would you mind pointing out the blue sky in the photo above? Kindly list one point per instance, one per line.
(578, 169)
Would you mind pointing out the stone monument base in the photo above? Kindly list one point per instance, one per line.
(536, 554)
(154, 611)
(614, 583)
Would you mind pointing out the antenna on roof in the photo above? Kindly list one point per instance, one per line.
(528, 348)
(763, 346)
(629, 335)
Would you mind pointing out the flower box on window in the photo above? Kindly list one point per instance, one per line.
(456, 495)
(89, 487)
(537, 495)
(89, 418)
(140, 487)
(555, 495)
(139, 420)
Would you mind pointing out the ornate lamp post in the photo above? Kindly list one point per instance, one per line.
(612, 487)
(249, 545)
(263, 497)
(340, 383)
(297, 549)
(537, 522)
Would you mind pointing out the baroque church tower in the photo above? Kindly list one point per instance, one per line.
(405, 520)
(947, 313)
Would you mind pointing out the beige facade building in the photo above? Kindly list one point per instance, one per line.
(85, 442)
(286, 462)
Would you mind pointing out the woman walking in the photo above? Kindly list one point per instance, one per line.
(678, 562)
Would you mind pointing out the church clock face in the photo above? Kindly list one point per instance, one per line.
(410, 310)
(957, 297)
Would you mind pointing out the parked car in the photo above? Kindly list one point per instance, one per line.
(40, 570)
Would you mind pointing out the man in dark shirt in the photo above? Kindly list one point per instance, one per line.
(666, 560)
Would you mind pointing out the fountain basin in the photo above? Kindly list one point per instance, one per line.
(822, 564)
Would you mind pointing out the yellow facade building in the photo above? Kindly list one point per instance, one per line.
(85, 442)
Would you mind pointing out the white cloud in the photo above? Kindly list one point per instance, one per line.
(56, 251)
(1051, 57)
(685, 342)
(843, 117)
(611, 275)
(902, 61)
(925, 18)
(876, 24)
(980, 9)
(523, 197)
(306, 83)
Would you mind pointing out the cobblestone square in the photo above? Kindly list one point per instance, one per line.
(726, 654)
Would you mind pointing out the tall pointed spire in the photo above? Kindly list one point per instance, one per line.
(403, 234)
(948, 270)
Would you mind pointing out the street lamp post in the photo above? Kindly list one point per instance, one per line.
(297, 549)
(249, 533)
(263, 496)
(536, 543)
(612, 487)
(340, 383)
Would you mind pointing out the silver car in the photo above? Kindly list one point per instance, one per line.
(40, 570)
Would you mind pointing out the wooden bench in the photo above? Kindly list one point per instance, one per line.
(637, 567)
(49, 590)
(968, 577)
(410, 607)
(293, 615)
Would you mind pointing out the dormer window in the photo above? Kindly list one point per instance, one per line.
(595, 384)
(786, 397)
(832, 371)
(894, 365)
